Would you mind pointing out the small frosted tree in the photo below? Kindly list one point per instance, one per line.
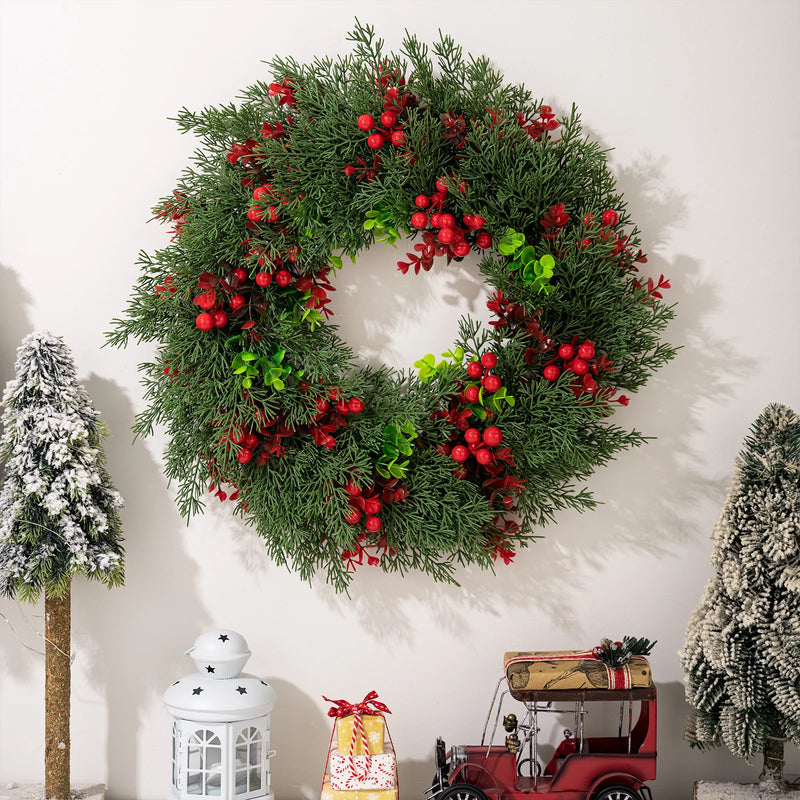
(742, 649)
(58, 516)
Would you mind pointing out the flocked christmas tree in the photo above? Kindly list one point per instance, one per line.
(742, 650)
(58, 515)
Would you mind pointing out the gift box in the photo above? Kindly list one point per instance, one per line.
(329, 793)
(374, 727)
(570, 670)
(379, 770)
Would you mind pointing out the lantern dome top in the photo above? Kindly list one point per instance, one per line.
(221, 653)
(201, 698)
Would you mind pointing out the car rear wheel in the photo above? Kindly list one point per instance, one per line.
(462, 791)
(617, 793)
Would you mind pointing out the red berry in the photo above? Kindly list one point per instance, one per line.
(483, 240)
(474, 369)
(579, 366)
(422, 201)
(273, 214)
(477, 222)
(375, 141)
(283, 278)
(240, 274)
(446, 235)
(610, 217)
(462, 187)
(441, 185)
(584, 243)
(551, 372)
(459, 453)
(343, 408)
(472, 435)
(388, 119)
(322, 405)
(399, 138)
(262, 191)
(492, 436)
(438, 198)
(468, 218)
(373, 524)
(566, 351)
(352, 489)
(461, 249)
(492, 383)
(220, 319)
(264, 279)
(483, 456)
(489, 360)
(472, 393)
(586, 351)
(588, 220)
(236, 301)
(204, 321)
(372, 506)
(447, 221)
(365, 122)
(206, 301)
(352, 515)
(419, 219)
(244, 455)
(250, 441)
(436, 219)
(356, 405)
(255, 214)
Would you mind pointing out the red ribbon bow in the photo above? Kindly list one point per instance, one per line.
(369, 705)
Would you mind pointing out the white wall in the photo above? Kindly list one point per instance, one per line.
(698, 98)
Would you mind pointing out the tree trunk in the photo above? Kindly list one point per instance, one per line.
(57, 615)
(772, 774)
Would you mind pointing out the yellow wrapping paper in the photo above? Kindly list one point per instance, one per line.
(358, 794)
(571, 670)
(373, 728)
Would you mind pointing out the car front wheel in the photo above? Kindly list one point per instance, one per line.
(617, 793)
(462, 791)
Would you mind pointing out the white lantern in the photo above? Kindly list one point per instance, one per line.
(221, 732)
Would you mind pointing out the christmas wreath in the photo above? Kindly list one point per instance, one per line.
(458, 460)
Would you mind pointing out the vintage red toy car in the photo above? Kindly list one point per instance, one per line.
(582, 767)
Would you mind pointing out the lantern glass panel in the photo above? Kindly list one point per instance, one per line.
(248, 760)
(175, 754)
(204, 762)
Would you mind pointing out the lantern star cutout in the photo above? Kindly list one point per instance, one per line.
(209, 668)
(223, 637)
(241, 690)
(197, 690)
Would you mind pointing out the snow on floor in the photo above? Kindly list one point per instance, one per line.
(35, 791)
(712, 790)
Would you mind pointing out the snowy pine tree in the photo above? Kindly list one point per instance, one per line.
(58, 514)
(742, 649)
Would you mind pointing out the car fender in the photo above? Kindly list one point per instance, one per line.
(456, 777)
(610, 778)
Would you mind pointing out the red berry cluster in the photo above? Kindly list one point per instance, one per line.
(488, 380)
(264, 440)
(217, 292)
(330, 416)
(391, 130)
(443, 236)
(358, 502)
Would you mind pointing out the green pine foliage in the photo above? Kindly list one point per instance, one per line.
(291, 151)
(742, 649)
